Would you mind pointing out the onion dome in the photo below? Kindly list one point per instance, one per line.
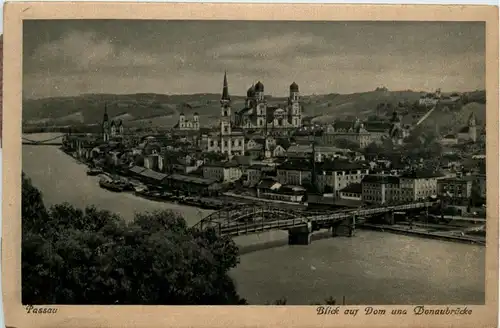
(251, 91)
(259, 87)
(294, 87)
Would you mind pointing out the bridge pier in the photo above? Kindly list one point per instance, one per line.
(300, 235)
(389, 217)
(345, 228)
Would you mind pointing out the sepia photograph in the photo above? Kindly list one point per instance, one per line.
(215, 162)
(288, 162)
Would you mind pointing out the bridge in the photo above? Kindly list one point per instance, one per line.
(54, 141)
(247, 219)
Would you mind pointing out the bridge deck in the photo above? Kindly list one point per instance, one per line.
(247, 220)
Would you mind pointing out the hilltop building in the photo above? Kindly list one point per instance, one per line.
(430, 99)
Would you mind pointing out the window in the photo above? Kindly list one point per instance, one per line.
(226, 128)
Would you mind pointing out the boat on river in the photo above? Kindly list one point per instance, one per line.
(112, 185)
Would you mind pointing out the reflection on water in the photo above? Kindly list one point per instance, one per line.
(371, 268)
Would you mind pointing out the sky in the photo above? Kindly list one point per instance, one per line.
(67, 58)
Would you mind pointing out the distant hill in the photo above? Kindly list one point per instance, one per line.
(451, 121)
(163, 110)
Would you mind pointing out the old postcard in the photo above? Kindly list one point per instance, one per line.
(223, 165)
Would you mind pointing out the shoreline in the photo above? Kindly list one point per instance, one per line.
(319, 235)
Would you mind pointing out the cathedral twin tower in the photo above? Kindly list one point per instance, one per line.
(257, 113)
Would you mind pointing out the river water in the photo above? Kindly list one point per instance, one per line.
(371, 268)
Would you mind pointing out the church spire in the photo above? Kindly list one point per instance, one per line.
(225, 89)
(472, 119)
(105, 119)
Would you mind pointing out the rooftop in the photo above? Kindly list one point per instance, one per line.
(381, 179)
(352, 188)
(421, 174)
(191, 179)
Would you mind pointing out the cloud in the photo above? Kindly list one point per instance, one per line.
(120, 57)
(84, 51)
(273, 47)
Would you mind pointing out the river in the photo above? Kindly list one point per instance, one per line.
(370, 268)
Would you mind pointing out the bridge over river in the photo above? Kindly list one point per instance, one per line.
(50, 139)
(247, 219)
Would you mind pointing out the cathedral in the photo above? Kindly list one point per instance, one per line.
(257, 117)
(258, 114)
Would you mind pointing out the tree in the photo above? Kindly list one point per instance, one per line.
(73, 256)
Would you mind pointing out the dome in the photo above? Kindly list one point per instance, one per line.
(259, 87)
(294, 87)
(251, 91)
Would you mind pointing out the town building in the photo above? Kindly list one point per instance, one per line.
(185, 124)
(364, 133)
(353, 131)
(192, 185)
(267, 187)
(353, 191)
(222, 171)
(256, 172)
(418, 185)
(321, 153)
(380, 189)
(154, 162)
(331, 176)
(456, 188)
